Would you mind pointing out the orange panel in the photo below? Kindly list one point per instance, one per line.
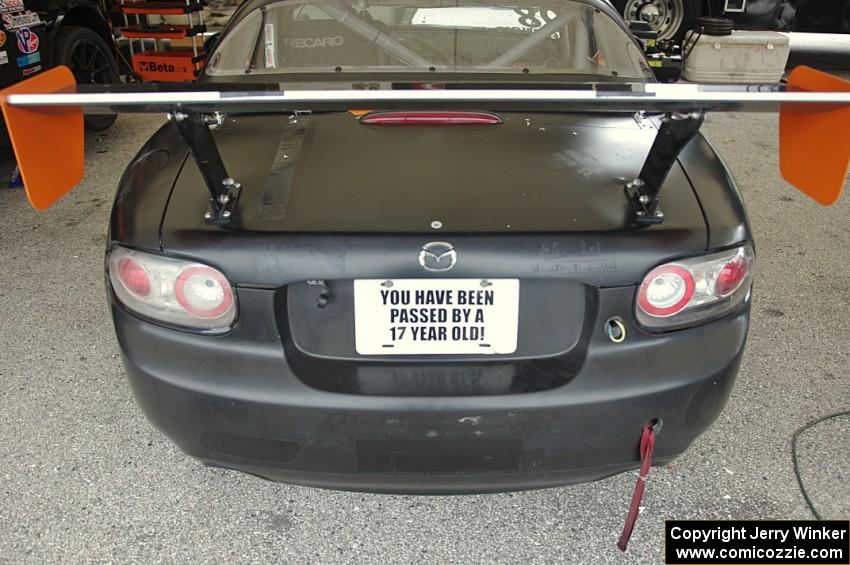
(814, 139)
(48, 141)
(166, 7)
(157, 32)
(155, 11)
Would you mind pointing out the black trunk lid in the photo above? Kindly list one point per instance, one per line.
(328, 173)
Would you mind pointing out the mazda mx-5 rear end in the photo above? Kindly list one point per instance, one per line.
(429, 301)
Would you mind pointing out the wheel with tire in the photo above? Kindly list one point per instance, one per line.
(670, 18)
(92, 62)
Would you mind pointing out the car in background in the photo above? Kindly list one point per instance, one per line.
(452, 301)
(38, 34)
(673, 18)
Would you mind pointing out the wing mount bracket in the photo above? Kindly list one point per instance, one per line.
(224, 191)
(643, 193)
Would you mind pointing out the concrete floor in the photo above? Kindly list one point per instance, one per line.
(84, 476)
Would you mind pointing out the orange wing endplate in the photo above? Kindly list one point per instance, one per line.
(48, 141)
(814, 139)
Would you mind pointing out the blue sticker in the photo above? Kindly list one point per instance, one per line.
(27, 60)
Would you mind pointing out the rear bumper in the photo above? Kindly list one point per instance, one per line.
(233, 401)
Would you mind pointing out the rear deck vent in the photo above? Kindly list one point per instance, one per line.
(443, 456)
(252, 448)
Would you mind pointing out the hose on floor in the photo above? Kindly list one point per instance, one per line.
(796, 459)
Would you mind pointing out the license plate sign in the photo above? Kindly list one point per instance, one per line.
(436, 317)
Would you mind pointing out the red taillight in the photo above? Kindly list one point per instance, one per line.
(430, 118)
(730, 277)
(695, 290)
(203, 292)
(134, 277)
(174, 291)
(666, 290)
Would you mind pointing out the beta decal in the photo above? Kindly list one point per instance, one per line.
(27, 41)
(4, 57)
(27, 60)
(152, 66)
(26, 19)
(2, 38)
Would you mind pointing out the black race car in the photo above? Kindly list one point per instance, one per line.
(429, 301)
(39, 34)
(671, 19)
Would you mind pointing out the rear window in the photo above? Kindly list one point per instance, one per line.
(463, 36)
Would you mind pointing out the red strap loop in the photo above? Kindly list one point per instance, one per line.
(647, 443)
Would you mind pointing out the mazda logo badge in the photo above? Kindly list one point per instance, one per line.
(437, 256)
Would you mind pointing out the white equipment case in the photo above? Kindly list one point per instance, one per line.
(742, 57)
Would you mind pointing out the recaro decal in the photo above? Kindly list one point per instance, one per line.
(313, 42)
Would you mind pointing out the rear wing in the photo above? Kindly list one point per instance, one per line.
(44, 116)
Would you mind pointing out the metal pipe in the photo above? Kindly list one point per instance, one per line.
(649, 97)
(376, 36)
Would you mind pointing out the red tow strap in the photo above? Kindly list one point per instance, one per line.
(647, 443)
